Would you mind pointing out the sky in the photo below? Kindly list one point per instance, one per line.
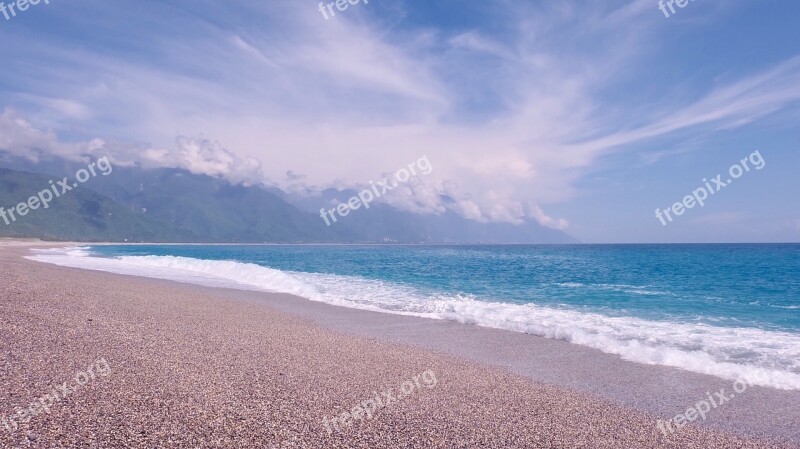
(585, 116)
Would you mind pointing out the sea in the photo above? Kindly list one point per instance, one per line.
(731, 311)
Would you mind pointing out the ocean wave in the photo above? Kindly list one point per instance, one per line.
(633, 289)
(761, 357)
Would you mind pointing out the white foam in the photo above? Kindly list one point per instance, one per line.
(760, 357)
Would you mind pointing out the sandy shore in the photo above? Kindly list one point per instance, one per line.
(195, 367)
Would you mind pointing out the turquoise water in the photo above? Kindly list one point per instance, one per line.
(731, 311)
(727, 285)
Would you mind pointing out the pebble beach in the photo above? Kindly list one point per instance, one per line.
(188, 367)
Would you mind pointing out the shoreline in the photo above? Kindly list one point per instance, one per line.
(594, 378)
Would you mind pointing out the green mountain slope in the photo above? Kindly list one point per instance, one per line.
(217, 210)
(79, 214)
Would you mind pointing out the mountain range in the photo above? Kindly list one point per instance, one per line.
(173, 205)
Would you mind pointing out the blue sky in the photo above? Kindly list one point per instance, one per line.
(584, 116)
